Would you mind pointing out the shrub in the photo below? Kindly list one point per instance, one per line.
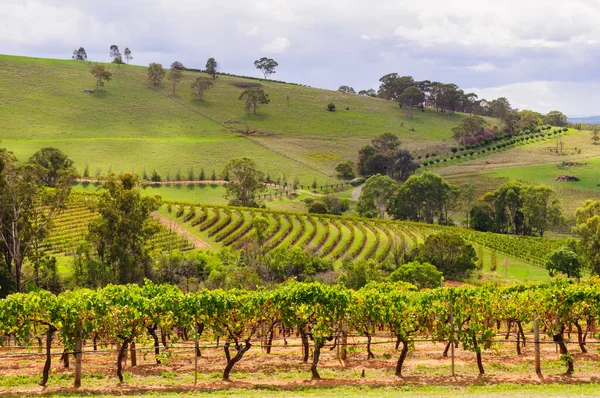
(331, 107)
(422, 275)
(454, 149)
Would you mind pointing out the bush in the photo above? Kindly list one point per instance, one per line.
(454, 149)
(331, 107)
(155, 176)
(422, 275)
(318, 208)
(450, 253)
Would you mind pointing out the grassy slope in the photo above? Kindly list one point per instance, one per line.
(131, 127)
(536, 163)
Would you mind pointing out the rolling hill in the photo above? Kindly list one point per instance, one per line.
(131, 126)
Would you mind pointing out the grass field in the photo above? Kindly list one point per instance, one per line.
(130, 126)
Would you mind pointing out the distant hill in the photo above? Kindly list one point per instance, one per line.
(587, 120)
(131, 126)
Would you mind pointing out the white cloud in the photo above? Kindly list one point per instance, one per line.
(278, 45)
(253, 31)
(483, 67)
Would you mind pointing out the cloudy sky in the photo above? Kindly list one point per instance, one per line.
(540, 55)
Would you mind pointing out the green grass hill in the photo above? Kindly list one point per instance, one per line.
(131, 126)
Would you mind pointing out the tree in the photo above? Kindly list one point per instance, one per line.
(266, 66)
(468, 128)
(482, 218)
(54, 164)
(501, 109)
(523, 209)
(346, 90)
(595, 135)
(392, 86)
(128, 56)
(424, 198)
(449, 253)
(467, 195)
(177, 65)
(587, 226)
(80, 54)
(331, 107)
(175, 76)
(101, 75)
(403, 165)
(410, 98)
(541, 208)
(121, 233)
(375, 196)
(27, 207)
(244, 182)
(114, 51)
(556, 118)
(253, 97)
(564, 261)
(422, 275)
(115, 54)
(385, 142)
(345, 170)
(369, 93)
(212, 67)
(155, 73)
(199, 87)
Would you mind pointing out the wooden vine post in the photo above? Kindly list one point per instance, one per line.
(452, 331)
(536, 344)
(78, 355)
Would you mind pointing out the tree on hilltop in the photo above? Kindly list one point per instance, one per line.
(346, 90)
(127, 54)
(212, 67)
(177, 65)
(410, 98)
(155, 73)
(253, 97)
(80, 54)
(101, 75)
(266, 66)
(115, 54)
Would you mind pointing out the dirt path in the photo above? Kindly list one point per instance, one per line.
(356, 193)
(194, 240)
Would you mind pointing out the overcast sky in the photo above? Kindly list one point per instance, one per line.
(541, 55)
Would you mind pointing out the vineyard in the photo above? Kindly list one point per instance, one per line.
(341, 237)
(313, 317)
(69, 228)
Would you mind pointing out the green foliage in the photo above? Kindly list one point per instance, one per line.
(266, 66)
(345, 170)
(449, 253)
(424, 198)
(101, 75)
(244, 182)
(422, 275)
(54, 164)
(200, 86)
(212, 66)
(564, 261)
(253, 97)
(376, 195)
(119, 236)
(587, 226)
(155, 73)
